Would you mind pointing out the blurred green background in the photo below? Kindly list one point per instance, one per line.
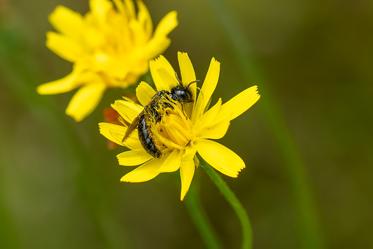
(59, 185)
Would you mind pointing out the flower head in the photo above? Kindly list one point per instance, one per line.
(183, 130)
(110, 46)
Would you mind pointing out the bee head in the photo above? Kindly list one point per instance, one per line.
(181, 94)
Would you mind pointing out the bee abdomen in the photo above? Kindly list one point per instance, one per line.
(146, 139)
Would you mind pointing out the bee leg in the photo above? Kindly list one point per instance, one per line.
(131, 128)
(123, 121)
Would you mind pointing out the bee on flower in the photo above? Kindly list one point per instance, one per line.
(179, 130)
(110, 46)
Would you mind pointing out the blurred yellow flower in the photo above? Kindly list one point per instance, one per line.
(110, 47)
(184, 130)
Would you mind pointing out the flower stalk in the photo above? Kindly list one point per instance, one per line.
(199, 218)
(309, 232)
(233, 201)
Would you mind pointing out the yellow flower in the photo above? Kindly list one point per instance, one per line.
(183, 130)
(110, 47)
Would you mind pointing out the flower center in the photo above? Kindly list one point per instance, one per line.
(174, 130)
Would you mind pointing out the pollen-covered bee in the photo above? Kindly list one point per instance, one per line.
(153, 112)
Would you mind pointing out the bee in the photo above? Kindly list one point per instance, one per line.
(152, 113)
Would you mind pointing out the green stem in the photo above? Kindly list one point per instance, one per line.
(200, 219)
(233, 201)
(309, 231)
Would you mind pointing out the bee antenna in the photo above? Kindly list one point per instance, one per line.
(181, 83)
(178, 79)
(194, 81)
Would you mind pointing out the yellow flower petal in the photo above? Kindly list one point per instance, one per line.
(210, 125)
(172, 162)
(169, 78)
(207, 89)
(63, 85)
(85, 100)
(119, 5)
(186, 173)
(115, 133)
(167, 24)
(64, 46)
(144, 93)
(187, 73)
(93, 38)
(141, 38)
(160, 68)
(220, 157)
(130, 7)
(240, 103)
(209, 118)
(144, 19)
(127, 109)
(133, 157)
(67, 21)
(100, 9)
(215, 131)
(156, 46)
(145, 172)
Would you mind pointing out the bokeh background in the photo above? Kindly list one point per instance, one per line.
(59, 185)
